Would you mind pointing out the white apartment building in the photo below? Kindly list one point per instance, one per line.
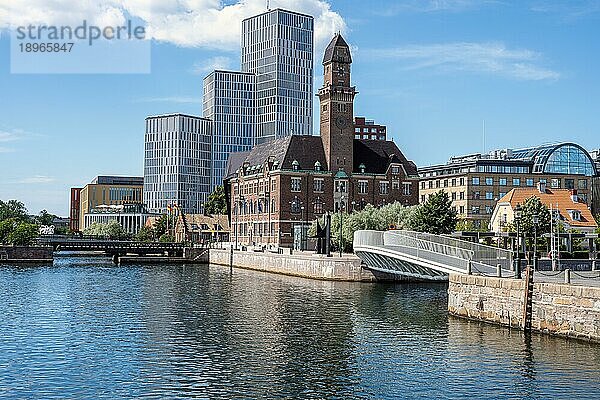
(177, 162)
(228, 101)
(277, 46)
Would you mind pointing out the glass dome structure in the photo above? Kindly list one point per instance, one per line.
(563, 158)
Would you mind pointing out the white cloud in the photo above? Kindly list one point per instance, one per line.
(211, 64)
(188, 23)
(6, 150)
(489, 58)
(37, 179)
(171, 99)
(9, 136)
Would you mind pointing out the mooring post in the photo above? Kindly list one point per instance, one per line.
(469, 268)
(567, 275)
(499, 270)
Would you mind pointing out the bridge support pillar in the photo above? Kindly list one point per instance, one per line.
(115, 259)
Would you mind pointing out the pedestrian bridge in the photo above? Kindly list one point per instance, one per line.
(424, 256)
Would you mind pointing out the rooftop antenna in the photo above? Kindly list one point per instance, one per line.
(268, 8)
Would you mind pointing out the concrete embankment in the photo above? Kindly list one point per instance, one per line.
(557, 309)
(307, 265)
(26, 254)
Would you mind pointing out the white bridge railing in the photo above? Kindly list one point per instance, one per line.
(451, 252)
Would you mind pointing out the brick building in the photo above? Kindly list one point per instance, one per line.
(74, 209)
(368, 129)
(293, 180)
(476, 182)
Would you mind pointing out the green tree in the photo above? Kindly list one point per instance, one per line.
(216, 202)
(6, 228)
(466, 225)
(45, 218)
(13, 209)
(435, 216)
(111, 230)
(160, 226)
(534, 206)
(145, 234)
(23, 234)
(166, 238)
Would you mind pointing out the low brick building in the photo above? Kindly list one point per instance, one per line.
(293, 180)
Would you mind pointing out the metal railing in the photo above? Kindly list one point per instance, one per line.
(444, 250)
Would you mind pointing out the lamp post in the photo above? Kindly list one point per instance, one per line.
(518, 215)
(536, 221)
(341, 222)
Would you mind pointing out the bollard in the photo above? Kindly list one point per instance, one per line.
(469, 268)
(231, 260)
(567, 275)
(499, 270)
(594, 265)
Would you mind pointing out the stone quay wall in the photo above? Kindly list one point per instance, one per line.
(557, 309)
(347, 268)
(24, 254)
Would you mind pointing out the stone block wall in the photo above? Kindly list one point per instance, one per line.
(347, 268)
(25, 254)
(558, 309)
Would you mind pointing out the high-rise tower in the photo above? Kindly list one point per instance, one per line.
(337, 106)
(277, 46)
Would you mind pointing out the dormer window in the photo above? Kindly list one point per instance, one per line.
(575, 215)
(295, 165)
(362, 168)
(317, 166)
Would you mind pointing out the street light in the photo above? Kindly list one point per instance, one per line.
(536, 221)
(341, 222)
(518, 216)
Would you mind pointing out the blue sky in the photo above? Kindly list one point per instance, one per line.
(432, 71)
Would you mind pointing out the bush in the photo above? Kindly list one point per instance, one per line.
(24, 234)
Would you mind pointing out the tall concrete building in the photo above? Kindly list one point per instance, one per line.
(229, 102)
(177, 162)
(277, 46)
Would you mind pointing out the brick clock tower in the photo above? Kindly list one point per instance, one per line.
(337, 106)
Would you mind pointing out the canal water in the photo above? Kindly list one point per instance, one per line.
(84, 328)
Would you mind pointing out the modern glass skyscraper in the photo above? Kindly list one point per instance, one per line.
(277, 46)
(229, 102)
(177, 162)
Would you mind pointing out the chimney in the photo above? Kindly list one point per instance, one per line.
(542, 187)
(574, 196)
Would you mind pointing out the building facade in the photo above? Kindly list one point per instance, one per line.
(567, 207)
(109, 190)
(74, 209)
(132, 217)
(476, 182)
(277, 46)
(177, 162)
(229, 102)
(293, 180)
(368, 129)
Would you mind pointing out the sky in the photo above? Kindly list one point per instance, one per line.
(447, 77)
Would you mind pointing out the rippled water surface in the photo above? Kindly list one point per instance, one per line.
(84, 328)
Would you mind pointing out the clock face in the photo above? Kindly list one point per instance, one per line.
(341, 122)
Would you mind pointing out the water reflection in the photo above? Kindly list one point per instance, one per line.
(87, 329)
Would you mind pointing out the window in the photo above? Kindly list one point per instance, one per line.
(318, 207)
(488, 209)
(569, 183)
(395, 170)
(462, 209)
(516, 182)
(395, 185)
(296, 205)
(529, 182)
(422, 185)
(462, 195)
(296, 184)
(575, 215)
(445, 183)
(453, 196)
(477, 195)
(501, 194)
(406, 188)
(489, 195)
(475, 210)
(318, 185)
(453, 182)
(462, 181)
(422, 198)
(582, 184)
(489, 181)
(475, 181)
(363, 187)
(555, 183)
(437, 184)
(502, 181)
(341, 186)
(430, 184)
(384, 187)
